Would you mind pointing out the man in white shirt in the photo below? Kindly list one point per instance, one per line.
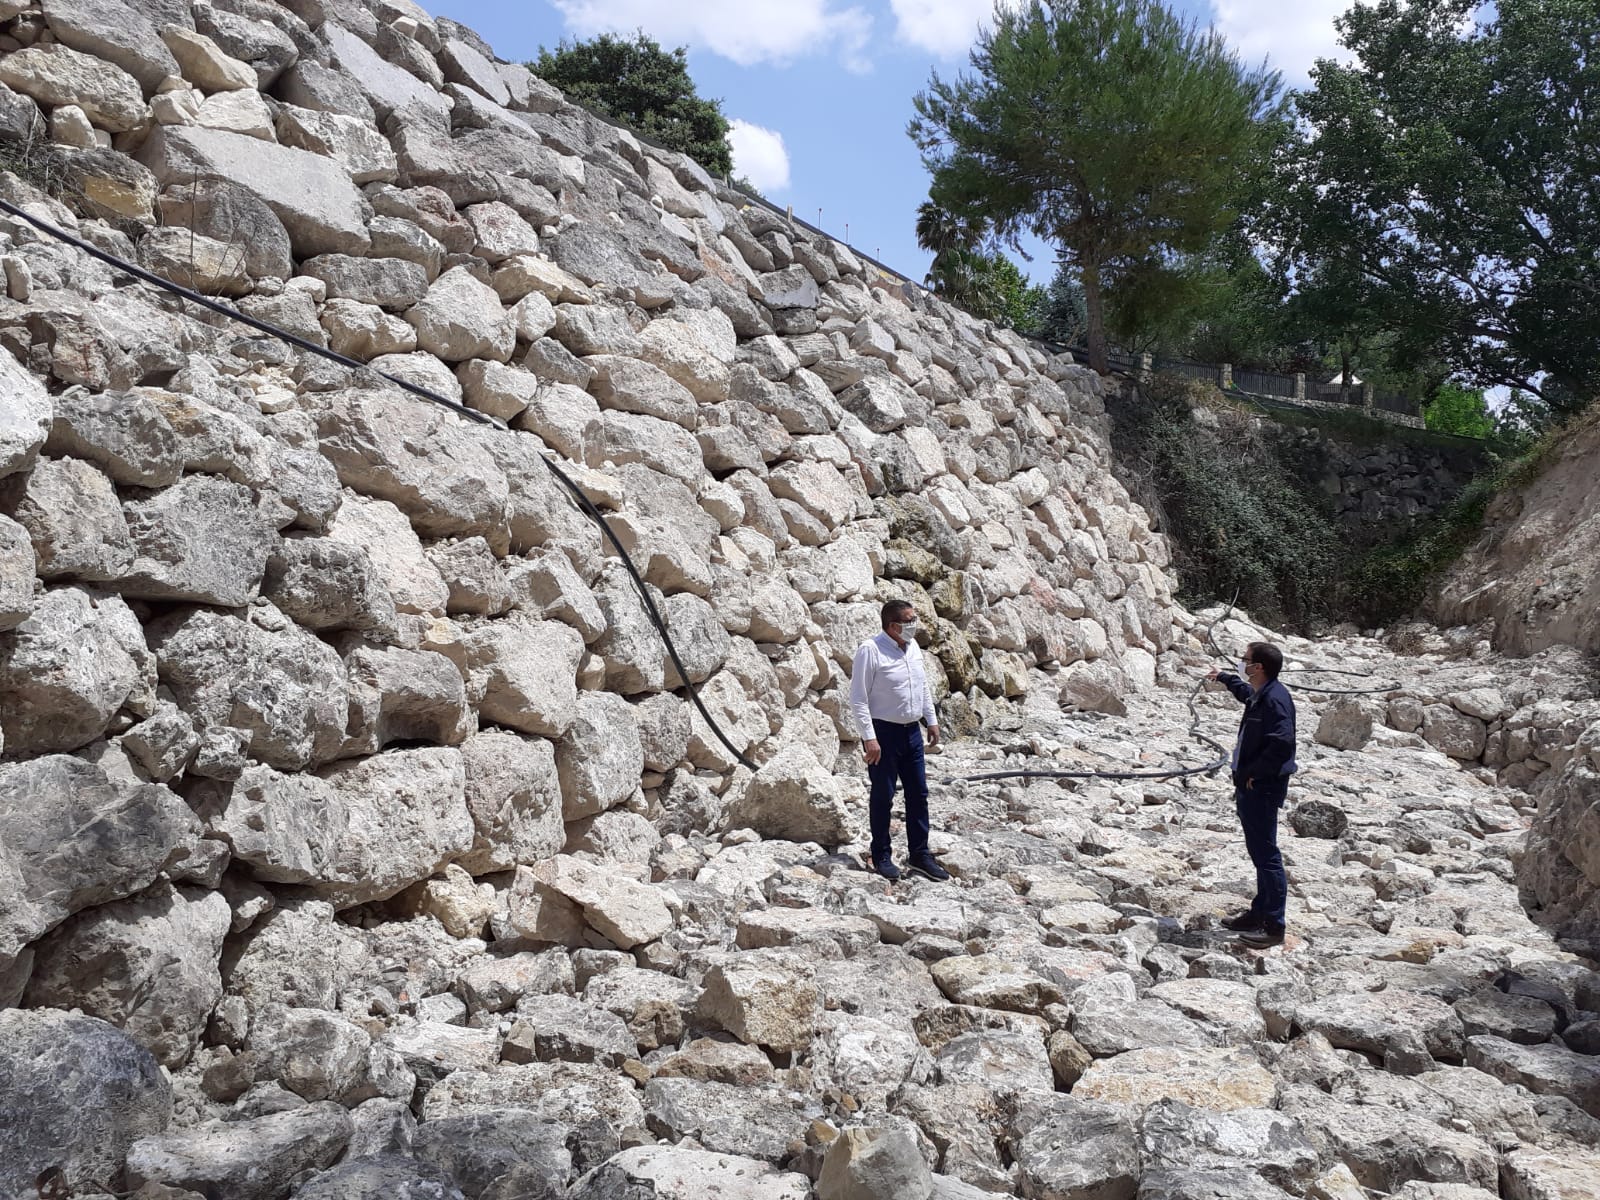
(888, 698)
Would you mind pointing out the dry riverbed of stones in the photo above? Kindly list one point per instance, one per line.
(1065, 1019)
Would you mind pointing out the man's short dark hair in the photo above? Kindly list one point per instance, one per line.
(1268, 655)
(889, 614)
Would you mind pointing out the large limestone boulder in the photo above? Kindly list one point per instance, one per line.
(671, 1173)
(17, 567)
(25, 418)
(793, 797)
(1346, 724)
(327, 585)
(116, 32)
(994, 981)
(461, 318)
(1070, 1147)
(251, 1160)
(696, 361)
(67, 670)
(322, 209)
(379, 531)
(73, 519)
(58, 815)
(147, 964)
(386, 85)
(297, 955)
(758, 1122)
(1220, 1079)
(601, 757)
(399, 695)
(420, 458)
(234, 217)
(123, 433)
(75, 1094)
(567, 900)
(514, 795)
(1179, 1139)
(261, 674)
(203, 540)
(526, 672)
(763, 997)
(384, 1176)
(317, 1055)
(499, 1152)
(1453, 732)
(352, 833)
(546, 584)
(626, 384)
(56, 74)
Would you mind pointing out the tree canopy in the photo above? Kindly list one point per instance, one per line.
(1445, 191)
(1460, 410)
(635, 81)
(1110, 128)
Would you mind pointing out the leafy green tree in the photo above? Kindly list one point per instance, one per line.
(1447, 187)
(1021, 304)
(634, 81)
(1109, 128)
(1459, 410)
(1064, 319)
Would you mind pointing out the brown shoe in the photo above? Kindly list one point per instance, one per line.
(1263, 938)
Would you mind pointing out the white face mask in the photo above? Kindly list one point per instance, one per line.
(908, 630)
(1244, 669)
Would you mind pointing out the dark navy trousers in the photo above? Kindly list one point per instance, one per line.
(1258, 816)
(900, 761)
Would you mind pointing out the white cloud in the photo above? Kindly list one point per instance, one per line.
(1293, 34)
(759, 155)
(946, 27)
(747, 31)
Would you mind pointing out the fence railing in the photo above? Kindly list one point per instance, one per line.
(1291, 389)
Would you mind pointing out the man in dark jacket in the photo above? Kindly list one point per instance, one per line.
(1263, 760)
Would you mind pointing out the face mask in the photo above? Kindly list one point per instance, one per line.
(1244, 669)
(908, 630)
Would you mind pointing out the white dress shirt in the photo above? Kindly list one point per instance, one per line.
(888, 683)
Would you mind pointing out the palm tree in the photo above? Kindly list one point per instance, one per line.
(960, 271)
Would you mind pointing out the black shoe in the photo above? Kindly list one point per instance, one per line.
(1244, 922)
(1263, 938)
(928, 867)
(886, 868)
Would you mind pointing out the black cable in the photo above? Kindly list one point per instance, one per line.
(586, 505)
(1177, 773)
(1302, 687)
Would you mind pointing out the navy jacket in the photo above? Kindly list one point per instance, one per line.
(1266, 731)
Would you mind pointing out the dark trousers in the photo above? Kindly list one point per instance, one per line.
(1258, 816)
(900, 761)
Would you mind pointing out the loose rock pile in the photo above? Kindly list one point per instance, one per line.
(351, 801)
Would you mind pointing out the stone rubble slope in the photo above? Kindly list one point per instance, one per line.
(1535, 570)
(350, 800)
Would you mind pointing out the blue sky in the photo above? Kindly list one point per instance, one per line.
(820, 90)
